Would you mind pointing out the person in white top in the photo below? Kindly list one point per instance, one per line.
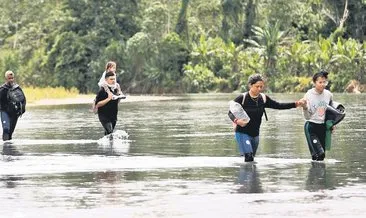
(314, 112)
(111, 66)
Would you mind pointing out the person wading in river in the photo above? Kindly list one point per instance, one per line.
(12, 105)
(108, 106)
(314, 111)
(254, 103)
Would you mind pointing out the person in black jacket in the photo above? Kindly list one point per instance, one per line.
(254, 104)
(107, 104)
(10, 107)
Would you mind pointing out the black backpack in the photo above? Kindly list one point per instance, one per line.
(16, 101)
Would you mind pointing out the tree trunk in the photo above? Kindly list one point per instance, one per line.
(182, 28)
(249, 19)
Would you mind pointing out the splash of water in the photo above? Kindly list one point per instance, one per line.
(115, 143)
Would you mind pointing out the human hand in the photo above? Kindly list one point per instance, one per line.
(241, 122)
(301, 103)
(110, 96)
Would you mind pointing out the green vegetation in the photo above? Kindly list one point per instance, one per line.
(178, 46)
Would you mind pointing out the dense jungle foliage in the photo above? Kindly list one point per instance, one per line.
(180, 46)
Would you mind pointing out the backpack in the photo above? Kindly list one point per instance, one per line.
(16, 101)
(264, 101)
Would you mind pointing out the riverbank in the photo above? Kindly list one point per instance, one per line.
(88, 99)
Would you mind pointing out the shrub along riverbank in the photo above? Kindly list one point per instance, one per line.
(186, 46)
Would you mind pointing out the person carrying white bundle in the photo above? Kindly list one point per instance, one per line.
(237, 110)
(111, 66)
(253, 104)
(106, 105)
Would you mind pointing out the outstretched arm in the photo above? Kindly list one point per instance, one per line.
(270, 103)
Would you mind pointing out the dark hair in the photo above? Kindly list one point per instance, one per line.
(254, 78)
(321, 73)
(109, 74)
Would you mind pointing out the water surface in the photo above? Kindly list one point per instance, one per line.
(178, 158)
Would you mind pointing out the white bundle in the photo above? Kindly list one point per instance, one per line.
(121, 96)
(237, 110)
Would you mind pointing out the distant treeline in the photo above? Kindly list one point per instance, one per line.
(180, 46)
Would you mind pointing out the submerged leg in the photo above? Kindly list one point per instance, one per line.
(315, 144)
(108, 127)
(244, 144)
(114, 122)
(5, 121)
(13, 123)
(248, 157)
(255, 143)
(317, 149)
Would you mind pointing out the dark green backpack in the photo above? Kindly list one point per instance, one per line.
(16, 101)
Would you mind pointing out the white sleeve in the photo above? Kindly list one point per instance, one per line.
(101, 80)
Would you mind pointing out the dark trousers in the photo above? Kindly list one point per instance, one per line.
(8, 122)
(315, 136)
(108, 126)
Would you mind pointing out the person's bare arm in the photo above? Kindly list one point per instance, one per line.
(105, 101)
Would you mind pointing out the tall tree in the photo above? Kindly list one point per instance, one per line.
(182, 28)
(231, 22)
(266, 41)
(90, 30)
(250, 15)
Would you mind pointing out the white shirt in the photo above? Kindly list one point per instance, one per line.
(316, 105)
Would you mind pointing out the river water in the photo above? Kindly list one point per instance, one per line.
(178, 158)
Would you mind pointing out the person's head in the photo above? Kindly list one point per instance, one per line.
(110, 78)
(9, 77)
(111, 66)
(256, 84)
(320, 80)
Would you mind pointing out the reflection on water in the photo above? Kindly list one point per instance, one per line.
(249, 179)
(317, 179)
(168, 157)
(10, 152)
